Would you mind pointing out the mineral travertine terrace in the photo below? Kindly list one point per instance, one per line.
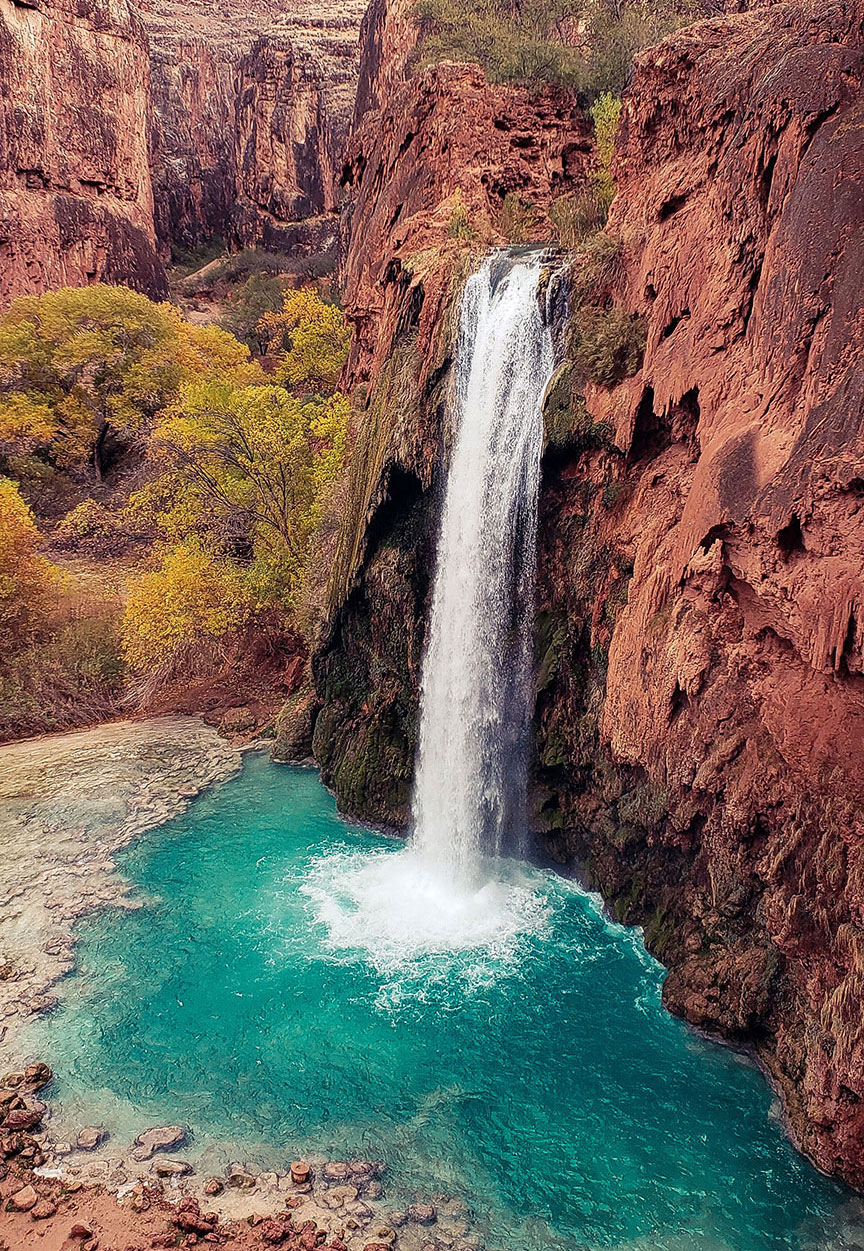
(67, 803)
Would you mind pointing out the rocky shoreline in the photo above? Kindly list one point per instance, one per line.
(80, 1194)
(68, 802)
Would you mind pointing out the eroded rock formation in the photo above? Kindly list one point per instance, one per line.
(76, 202)
(703, 565)
(129, 130)
(250, 111)
(700, 669)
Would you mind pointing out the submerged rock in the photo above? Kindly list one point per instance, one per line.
(422, 1213)
(239, 1178)
(171, 1168)
(335, 1171)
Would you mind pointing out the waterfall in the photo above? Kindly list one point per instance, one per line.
(477, 678)
(445, 895)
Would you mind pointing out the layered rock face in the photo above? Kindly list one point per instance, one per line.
(702, 560)
(250, 111)
(429, 168)
(700, 670)
(76, 202)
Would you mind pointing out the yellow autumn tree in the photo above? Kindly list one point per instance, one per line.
(246, 473)
(27, 579)
(261, 459)
(79, 364)
(190, 603)
(313, 338)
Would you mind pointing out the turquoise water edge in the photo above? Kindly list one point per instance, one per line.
(537, 1077)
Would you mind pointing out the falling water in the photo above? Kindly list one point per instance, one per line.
(471, 769)
(447, 892)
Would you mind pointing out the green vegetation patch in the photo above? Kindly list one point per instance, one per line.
(583, 45)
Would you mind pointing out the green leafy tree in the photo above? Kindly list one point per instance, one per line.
(193, 600)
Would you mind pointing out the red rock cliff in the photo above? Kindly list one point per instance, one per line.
(703, 742)
(250, 109)
(76, 202)
(191, 121)
(699, 727)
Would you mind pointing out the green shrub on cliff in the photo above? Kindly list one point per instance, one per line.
(608, 344)
(579, 215)
(512, 43)
(583, 45)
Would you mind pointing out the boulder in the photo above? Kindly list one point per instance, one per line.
(42, 1210)
(24, 1118)
(239, 1178)
(90, 1138)
(37, 1075)
(273, 1233)
(171, 1168)
(300, 1172)
(163, 1138)
(23, 1200)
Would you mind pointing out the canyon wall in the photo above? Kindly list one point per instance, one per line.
(76, 201)
(700, 706)
(700, 739)
(126, 132)
(250, 110)
(433, 166)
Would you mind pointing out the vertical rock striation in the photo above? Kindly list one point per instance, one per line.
(701, 722)
(250, 111)
(76, 202)
(125, 132)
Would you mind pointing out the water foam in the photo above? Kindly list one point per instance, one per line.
(396, 911)
(449, 894)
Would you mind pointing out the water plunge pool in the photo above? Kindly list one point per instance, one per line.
(530, 1071)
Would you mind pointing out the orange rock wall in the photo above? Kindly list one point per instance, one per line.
(709, 736)
(699, 728)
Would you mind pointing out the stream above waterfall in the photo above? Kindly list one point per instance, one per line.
(538, 1077)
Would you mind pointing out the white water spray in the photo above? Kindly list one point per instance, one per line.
(446, 892)
(476, 703)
